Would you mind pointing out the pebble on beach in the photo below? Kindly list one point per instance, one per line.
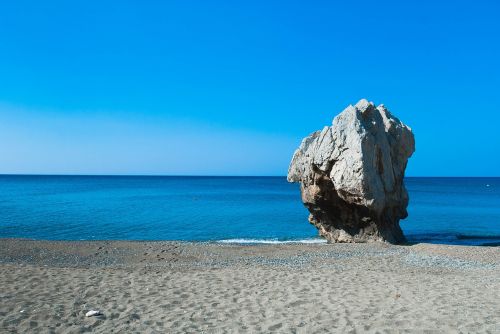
(92, 313)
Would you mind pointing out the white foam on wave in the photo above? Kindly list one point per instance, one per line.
(272, 241)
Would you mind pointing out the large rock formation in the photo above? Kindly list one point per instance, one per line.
(351, 175)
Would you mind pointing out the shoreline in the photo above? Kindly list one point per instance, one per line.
(481, 240)
(134, 252)
(176, 287)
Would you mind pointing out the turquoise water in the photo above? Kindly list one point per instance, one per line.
(258, 209)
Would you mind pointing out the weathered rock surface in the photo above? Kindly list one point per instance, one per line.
(351, 175)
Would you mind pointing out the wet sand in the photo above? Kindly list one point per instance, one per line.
(170, 287)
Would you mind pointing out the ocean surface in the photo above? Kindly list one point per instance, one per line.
(225, 209)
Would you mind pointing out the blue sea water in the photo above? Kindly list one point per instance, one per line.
(257, 209)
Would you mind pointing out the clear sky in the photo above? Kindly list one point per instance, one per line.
(231, 87)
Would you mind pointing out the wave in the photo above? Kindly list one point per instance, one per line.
(486, 237)
(491, 244)
(272, 241)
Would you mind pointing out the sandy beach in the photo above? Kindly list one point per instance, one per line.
(169, 287)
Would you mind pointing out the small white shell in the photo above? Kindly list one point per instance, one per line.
(92, 313)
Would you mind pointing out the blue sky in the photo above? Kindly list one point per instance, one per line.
(231, 87)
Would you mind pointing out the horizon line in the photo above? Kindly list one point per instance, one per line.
(208, 175)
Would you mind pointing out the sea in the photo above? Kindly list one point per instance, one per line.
(460, 211)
